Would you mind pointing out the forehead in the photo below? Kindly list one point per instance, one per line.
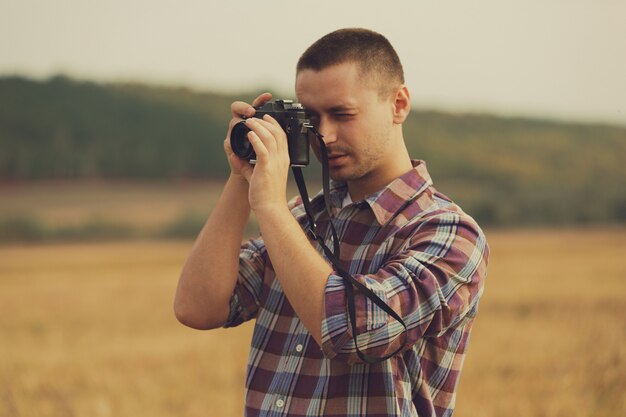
(337, 85)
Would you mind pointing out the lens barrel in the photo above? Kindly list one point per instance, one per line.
(239, 142)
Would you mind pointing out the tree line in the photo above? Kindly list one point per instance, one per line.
(502, 170)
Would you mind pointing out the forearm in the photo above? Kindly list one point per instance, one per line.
(209, 275)
(300, 269)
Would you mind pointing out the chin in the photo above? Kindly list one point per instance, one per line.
(338, 176)
(343, 175)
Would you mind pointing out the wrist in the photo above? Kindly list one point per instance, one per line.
(238, 179)
(271, 210)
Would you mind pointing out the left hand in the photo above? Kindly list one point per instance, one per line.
(268, 178)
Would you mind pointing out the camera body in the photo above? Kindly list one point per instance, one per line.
(291, 117)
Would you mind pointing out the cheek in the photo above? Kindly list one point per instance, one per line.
(360, 131)
(350, 132)
(382, 128)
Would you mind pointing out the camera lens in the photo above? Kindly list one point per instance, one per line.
(239, 142)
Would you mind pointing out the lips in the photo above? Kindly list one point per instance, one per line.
(336, 159)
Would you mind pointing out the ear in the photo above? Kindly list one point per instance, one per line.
(401, 105)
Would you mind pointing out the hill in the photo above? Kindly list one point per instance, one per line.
(502, 170)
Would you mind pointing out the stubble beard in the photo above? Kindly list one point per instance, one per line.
(358, 167)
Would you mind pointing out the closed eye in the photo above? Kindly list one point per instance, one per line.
(315, 120)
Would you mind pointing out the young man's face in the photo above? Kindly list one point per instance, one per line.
(357, 124)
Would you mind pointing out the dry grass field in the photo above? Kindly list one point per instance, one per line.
(88, 330)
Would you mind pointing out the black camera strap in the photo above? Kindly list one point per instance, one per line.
(334, 255)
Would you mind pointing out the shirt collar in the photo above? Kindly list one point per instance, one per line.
(390, 200)
(386, 203)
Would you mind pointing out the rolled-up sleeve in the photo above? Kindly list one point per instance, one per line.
(432, 283)
(253, 260)
(245, 300)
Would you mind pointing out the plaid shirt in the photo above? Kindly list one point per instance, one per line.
(415, 249)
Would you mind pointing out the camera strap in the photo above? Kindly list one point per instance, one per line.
(334, 255)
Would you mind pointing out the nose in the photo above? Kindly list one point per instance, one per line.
(328, 131)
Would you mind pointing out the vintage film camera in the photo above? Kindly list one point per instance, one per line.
(291, 117)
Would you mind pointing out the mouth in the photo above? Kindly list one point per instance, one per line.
(336, 159)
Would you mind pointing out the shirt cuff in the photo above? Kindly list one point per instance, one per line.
(243, 305)
(337, 332)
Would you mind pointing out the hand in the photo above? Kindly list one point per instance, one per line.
(268, 178)
(240, 109)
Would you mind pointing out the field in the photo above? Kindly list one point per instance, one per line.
(87, 329)
(96, 210)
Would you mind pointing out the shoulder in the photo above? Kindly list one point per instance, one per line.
(433, 217)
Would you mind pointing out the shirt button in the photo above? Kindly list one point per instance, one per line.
(280, 403)
(299, 348)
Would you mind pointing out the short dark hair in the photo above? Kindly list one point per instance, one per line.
(372, 52)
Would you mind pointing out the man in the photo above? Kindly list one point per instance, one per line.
(401, 238)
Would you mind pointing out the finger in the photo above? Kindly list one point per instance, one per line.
(227, 148)
(271, 125)
(262, 99)
(241, 109)
(259, 147)
(276, 130)
(263, 133)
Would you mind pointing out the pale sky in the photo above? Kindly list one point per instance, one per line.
(553, 58)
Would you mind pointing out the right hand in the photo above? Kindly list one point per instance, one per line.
(240, 109)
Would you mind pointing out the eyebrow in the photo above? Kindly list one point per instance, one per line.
(334, 109)
(341, 107)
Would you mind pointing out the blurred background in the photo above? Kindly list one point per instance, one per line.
(112, 119)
